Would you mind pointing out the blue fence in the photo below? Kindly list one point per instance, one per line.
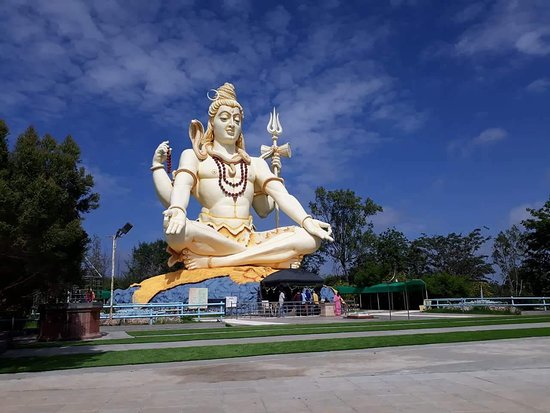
(160, 310)
(533, 303)
(155, 311)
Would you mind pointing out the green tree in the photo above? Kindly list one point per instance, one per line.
(392, 251)
(417, 259)
(148, 259)
(454, 254)
(352, 232)
(509, 252)
(537, 263)
(368, 273)
(4, 132)
(441, 285)
(313, 262)
(43, 195)
(96, 263)
(386, 257)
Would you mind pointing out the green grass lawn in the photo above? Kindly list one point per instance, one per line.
(129, 357)
(158, 336)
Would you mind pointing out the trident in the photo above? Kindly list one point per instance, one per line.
(274, 151)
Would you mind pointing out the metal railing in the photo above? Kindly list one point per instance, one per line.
(159, 310)
(534, 303)
(273, 309)
(152, 312)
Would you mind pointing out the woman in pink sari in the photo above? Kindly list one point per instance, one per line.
(338, 304)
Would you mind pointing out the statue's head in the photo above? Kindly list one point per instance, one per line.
(224, 104)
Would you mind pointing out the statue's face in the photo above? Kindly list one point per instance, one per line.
(227, 124)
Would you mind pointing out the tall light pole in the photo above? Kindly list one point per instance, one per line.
(120, 232)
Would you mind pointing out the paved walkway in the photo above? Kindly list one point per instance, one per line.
(51, 351)
(380, 315)
(483, 377)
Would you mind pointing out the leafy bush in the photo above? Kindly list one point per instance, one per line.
(448, 286)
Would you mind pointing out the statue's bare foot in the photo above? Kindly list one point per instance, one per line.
(193, 261)
(292, 263)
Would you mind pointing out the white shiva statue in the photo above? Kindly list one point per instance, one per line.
(227, 182)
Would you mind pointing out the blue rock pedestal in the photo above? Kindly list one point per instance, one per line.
(218, 289)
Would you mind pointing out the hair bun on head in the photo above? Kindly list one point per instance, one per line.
(225, 91)
(224, 95)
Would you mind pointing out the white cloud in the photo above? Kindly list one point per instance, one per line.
(489, 136)
(236, 5)
(470, 12)
(438, 183)
(510, 25)
(390, 217)
(278, 19)
(393, 218)
(105, 183)
(539, 85)
(162, 61)
(71, 19)
(402, 115)
(399, 3)
(465, 147)
(519, 213)
(316, 119)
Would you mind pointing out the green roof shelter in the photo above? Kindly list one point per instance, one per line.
(395, 287)
(387, 290)
(348, 289)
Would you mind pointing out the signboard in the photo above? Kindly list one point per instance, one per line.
(198, 298)
(231, 302)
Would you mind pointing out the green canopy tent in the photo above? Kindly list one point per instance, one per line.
(397, 287)
(348, 289)
(104, 295)
(387, 288)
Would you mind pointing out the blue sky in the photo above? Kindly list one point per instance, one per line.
(437, 110)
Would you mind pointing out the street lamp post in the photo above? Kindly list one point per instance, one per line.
(120, 232)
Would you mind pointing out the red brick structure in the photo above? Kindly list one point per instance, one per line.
(71, 321)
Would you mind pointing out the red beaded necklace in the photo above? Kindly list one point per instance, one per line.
(233, 191)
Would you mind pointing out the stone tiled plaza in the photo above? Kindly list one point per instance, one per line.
(494, 376)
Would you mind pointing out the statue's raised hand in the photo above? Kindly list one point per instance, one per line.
(161, 153)
(318, 228)
(174, 220)
(276, 162)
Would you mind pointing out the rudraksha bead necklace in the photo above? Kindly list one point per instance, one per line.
(169, 160)
(233, 191)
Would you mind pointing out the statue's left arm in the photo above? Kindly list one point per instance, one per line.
(273, 186)
(161, 180)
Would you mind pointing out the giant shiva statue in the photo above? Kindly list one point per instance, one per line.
(227, 182)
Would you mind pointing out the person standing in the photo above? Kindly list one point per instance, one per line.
(281, 303)
(315, 303)
(296, 299)
(90, 296)
(304, 301)
(338, 304)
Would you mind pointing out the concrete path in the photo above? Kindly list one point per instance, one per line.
(380, 315)
(244, 322)
(484, 377)
(51, 351)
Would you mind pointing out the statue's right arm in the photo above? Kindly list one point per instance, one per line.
(185, 178)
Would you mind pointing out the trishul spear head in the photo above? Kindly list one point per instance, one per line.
(274, 151)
